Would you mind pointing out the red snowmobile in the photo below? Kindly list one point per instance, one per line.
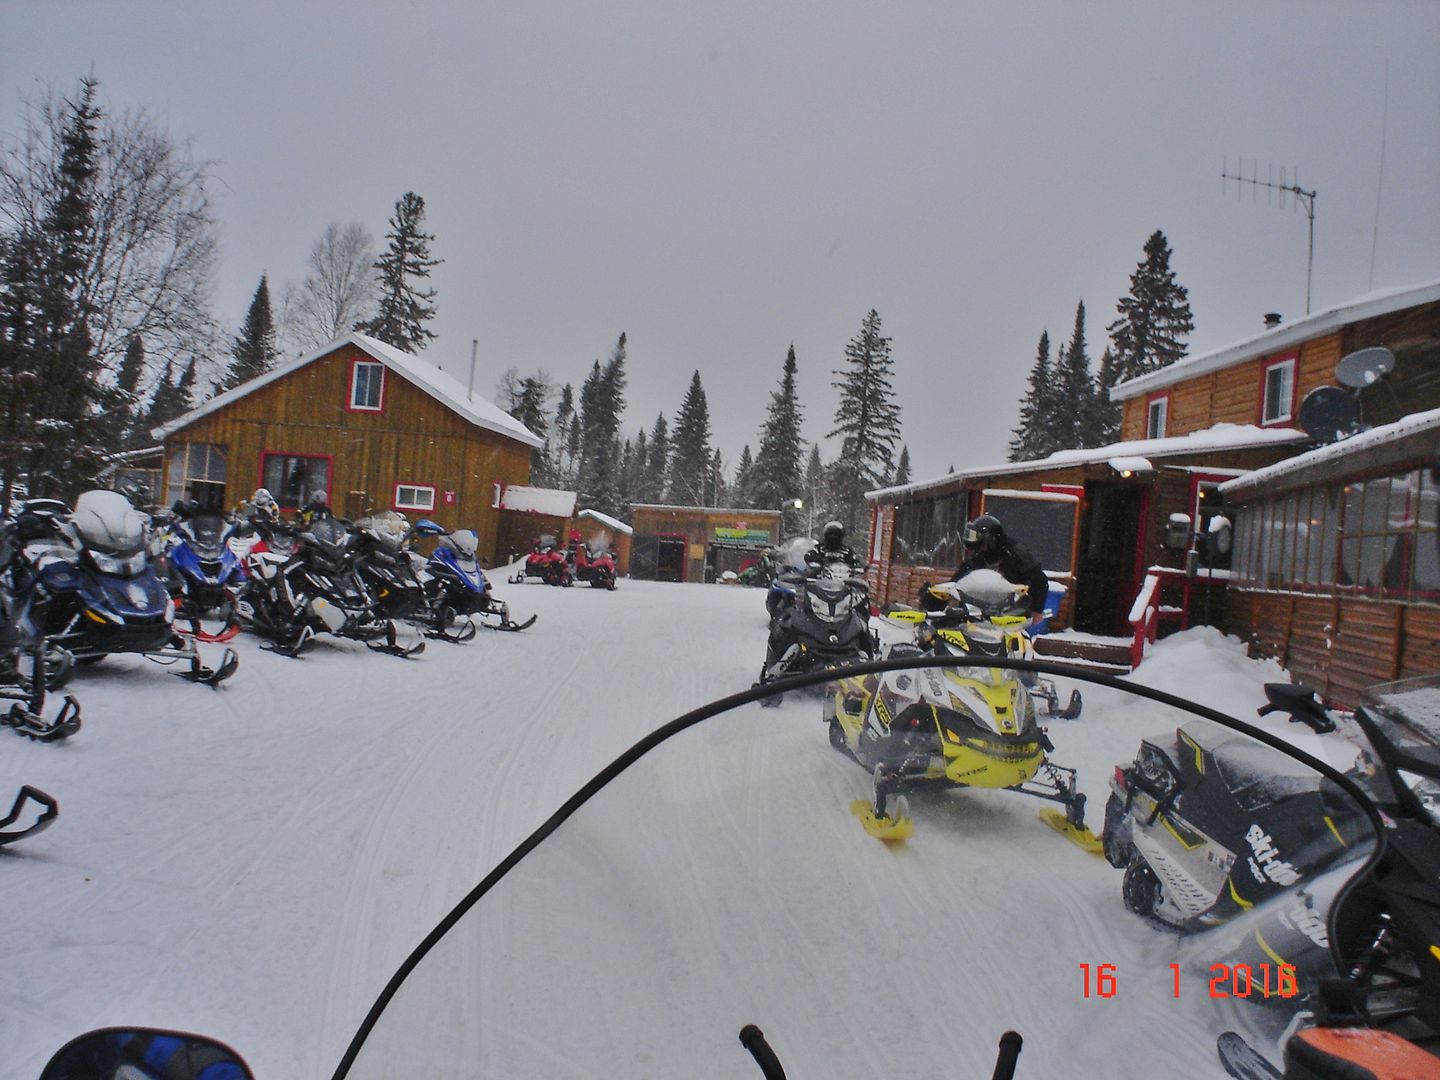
(546, 561)
(598, 570)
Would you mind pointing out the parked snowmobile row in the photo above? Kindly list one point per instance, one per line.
(554, 564)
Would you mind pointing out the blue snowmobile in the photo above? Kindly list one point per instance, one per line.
(459, 589)
(205, 571)
(96, 592)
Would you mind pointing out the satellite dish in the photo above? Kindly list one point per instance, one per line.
(1365, 367)
(1328, 414)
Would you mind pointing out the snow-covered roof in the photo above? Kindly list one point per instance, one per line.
(1284, 336)
(421, 373)
(613, 524)
(1417, 434)
(538, 500)
(1219, 437)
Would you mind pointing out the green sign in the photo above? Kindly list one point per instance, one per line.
(749, 537)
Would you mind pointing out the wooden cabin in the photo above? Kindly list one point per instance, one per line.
(1121, 547)
(697, 543)
(372, 427)
(1336, 566)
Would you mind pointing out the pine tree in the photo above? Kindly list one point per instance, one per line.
(867, 421)
(1106, 414)
(636, 473)
(61, 431)
(659, 471)
(1154, 318)
(719, 490)
(690, 449)
(743, 489)
(404, 308)
(602, 401)
(902, 470)
(526, 399)
(172, 397)
(562, 462)
(253, 351)
(126, 414)
(777, 473)
(1075, 389)
(819, 498)
(1033, 436)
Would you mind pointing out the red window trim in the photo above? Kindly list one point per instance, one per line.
(395, 500)
(1150, 399)
(350, 405)
(329, 460)
(1293, 359)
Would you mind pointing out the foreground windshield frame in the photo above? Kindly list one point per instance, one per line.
(817, 678)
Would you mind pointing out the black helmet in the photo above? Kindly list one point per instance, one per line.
(834, 534)
(984, 534)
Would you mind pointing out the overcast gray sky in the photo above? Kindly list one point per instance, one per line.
(722, 180)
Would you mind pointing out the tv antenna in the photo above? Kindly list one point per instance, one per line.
(1288, 185)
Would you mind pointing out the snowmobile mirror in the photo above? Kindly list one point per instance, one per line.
(1300, 702)
(145, 1054)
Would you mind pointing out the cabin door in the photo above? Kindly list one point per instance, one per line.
(1111, 557)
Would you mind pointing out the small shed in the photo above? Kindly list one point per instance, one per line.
(530, 516)
(697, 543)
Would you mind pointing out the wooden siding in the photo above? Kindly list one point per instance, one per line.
(698, 526)
(1338, 645)
(415, 440)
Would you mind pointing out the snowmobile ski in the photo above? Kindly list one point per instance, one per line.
(391, 645)
(32, 726)
(294, 647)
(47, 815)
(457, 633)
(211, 677)
(890, 829)
(509, 624)
(1079, 835)
(1243, 1061)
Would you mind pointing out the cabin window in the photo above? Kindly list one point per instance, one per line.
(367, 386)
(197, 471)
(1279, 392)
(927, 531)
(414, 497)
(1155, 416)
(295, 478)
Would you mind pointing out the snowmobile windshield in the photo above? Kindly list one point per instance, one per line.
(1407, 715)
(104, 521)
(330, 535)
(791, 553)
(465, 542)
(390, 528)
(735, 869)
(207, 536)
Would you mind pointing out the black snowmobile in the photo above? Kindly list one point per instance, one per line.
(827, 627)
(29, 664)
(704, 880)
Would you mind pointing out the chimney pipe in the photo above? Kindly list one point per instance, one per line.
(1272, 320)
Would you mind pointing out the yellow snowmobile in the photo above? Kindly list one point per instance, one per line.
(961, 727)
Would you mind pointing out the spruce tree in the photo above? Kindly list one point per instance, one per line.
(868, 423)
(1033, 438)
(126, 414)
(659, 471)
(777, 476)
(172, 397)
(404, 308)
(1075, 390)
(690, 449)
(743, 489)
(253, 352)
(530, 397)
(902, 470)
(819, 498)
(602, 401)
(1154, 318)
(562, 463)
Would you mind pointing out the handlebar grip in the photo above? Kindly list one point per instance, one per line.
(1010, 1044)
(753, 1039)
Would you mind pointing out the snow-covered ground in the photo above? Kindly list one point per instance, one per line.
(254, 862)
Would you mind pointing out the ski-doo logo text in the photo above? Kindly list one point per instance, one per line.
(1267, 859)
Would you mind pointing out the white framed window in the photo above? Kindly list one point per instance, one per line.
(1278, 403)
(367, 386)
(1155, 414)
(414, 497)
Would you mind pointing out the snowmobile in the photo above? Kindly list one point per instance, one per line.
(828, 627)
(29, 665)
(95, 591)
(546, 562)
(459, 591)
(789, 575)
(204, 554)
(49, 811)
(966, 727)
(383, 565)
(598, 570)
(268, 603)
(664, 910)
(983, 615)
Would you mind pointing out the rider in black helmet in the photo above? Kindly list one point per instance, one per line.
(987, 547)
(832, 548)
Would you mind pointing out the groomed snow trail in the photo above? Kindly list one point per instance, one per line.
(254, 862)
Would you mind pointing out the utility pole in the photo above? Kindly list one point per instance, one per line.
(1302, 198)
